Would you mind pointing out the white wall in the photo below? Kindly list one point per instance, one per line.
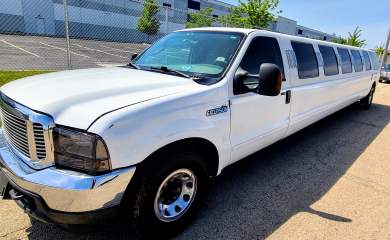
(13, 7)
(96, 17)
(285, 25)
(101, 18)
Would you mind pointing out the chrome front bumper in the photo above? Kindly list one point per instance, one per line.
(65, 190)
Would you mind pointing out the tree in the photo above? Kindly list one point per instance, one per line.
(379, 50)
(252, 14)
(354, 38)
(202, 18)
(340, 40)
(148, 22)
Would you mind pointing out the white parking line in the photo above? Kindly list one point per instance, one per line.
(21, 49)
(96, 50)
(64, 50)
(119, 50)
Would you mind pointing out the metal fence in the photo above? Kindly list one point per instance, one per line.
(33, 34)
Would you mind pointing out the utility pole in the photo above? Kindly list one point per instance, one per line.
(384, 57)
(166, 20)
(66, 25)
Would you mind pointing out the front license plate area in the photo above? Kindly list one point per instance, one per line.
(3, 184)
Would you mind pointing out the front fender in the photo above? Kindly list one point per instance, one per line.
(134, 133)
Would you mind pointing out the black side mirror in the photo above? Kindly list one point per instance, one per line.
(270, 80)
(133, 56)
(238, 82)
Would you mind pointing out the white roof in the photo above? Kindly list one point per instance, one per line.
(248, 31)
(219, 29)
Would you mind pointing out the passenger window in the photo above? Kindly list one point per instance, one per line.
(331, 66)
(366, 59)
(306, 59)
(374, 60)
(346, 64)
(261, 50)
(357, 61)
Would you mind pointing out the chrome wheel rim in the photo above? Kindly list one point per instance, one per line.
(175, 195)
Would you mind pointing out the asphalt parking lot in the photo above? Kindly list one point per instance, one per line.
(329, 181)
(48, 53)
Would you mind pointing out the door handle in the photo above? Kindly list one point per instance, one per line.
(288, 96)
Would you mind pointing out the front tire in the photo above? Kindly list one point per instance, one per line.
(168, 195)
(366, 102)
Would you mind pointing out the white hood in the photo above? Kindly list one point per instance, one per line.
(77, 98)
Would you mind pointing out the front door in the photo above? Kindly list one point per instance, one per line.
(257, 121)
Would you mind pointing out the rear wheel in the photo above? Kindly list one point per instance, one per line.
(365, 103)
(167, 195)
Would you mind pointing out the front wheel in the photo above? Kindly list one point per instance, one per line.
(365, 103)
(167, 196)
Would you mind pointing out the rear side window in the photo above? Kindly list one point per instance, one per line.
(306, 59)
(366, 59)
(331, 66)
(346, 64)
(374, 60)
(357, 61)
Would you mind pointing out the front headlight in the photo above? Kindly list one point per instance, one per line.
(80, 150)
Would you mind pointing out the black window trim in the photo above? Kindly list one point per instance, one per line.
(354, 62)
(375, 64)
(364, 58)
(350, 60)
(337, 60)
(315, 56)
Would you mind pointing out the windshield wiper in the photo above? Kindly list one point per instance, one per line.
(168, 70)
(133, 65)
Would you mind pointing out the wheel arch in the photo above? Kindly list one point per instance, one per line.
(208, 150)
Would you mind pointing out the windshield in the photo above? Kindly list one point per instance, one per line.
(197, 54)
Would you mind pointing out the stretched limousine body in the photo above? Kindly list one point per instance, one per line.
(142, 140)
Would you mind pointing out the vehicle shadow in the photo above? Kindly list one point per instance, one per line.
(254, 197)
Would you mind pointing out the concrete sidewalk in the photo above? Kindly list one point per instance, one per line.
(329, 181)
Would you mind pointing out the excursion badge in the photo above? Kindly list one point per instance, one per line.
(215, 111)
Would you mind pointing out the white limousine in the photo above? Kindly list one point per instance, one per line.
(141, 141)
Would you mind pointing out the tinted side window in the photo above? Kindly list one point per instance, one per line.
(374, 60)
(346, 64)
(261, 50)
(306, 59)
(331, 66)
(357, 61)
(366, 59)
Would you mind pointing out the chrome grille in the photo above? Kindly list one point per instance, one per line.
(39, 140)
(27, 132)
(16, 131)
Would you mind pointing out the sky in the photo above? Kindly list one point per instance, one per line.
(340, 16)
